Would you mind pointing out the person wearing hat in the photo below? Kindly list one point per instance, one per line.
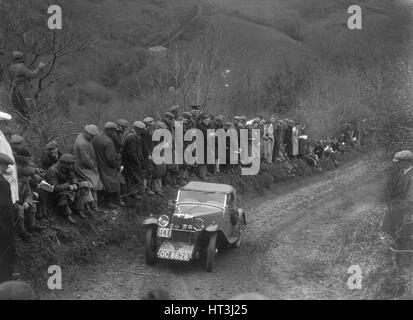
(147, 153)
(175, 111)
(16, 290)
(172, 169)
(399, 196)
(86, 167)
(20, 78)
(50, 155)
(65, 193)
(203, 125)
(288, 137)
(169, 120)
(16, 142)
(269, 141)
(195, 110)
(237, 125)
(278, 139)
(133, 159)
(27, 205)
(159, 170)
(109, 165)
(123, 125)
(124, 129)
(7, 209)
(6, 149)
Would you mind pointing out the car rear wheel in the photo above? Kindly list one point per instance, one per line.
(212, 251)
(238, 242)
(150, 245)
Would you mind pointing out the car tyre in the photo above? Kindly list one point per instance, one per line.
(211, 253)
(150, 246)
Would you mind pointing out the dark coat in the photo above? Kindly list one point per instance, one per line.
(133, 158)
(108, 162)
(61, 179)
(158, 170)
(397, 194)
(201, 126)
(7, 247)
(6, 208)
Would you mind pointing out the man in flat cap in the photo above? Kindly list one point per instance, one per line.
(6, 149)
(171, 168)
(148, 146)
(50, 155)
(27, 204)
(124, 129)
(399, 194)
(16, 142)
(175, 111)
(203, 125)
(20, 77)
(278, 140)
(86, 166)
(189, 123)
(196, 111)
(109, 166)
(189, 118)
(159, 170)
(133, 159)
(7, 209)
(66, 195)
(65, 184)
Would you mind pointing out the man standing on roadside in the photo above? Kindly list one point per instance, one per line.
(133, 158)
(86, 167)
(7, 248)
(399, 196)
(108, 163)
(6, 149)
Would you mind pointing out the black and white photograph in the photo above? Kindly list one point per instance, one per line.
(206, 153)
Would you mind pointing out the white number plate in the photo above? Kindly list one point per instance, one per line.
(164, 232)
(174, 255)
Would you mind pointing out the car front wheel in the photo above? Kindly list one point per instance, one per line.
(150, 245)
(212, 251)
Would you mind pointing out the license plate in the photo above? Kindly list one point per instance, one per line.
(174, 255)
(175, 251)
(164, 232)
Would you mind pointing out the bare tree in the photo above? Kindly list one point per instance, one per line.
(23, 27)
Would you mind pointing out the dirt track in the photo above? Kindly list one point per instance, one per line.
(290, 249)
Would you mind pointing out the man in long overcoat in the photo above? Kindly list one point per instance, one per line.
(86, 167)
(133, 157)
(7, 248)
(108, 163)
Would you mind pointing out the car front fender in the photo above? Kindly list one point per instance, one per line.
(150, 221)
(211, 228)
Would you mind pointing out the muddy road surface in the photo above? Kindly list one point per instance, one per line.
(290, 249)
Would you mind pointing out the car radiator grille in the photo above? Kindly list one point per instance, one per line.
(181, 236)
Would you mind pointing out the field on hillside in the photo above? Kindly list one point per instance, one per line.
(285, 58)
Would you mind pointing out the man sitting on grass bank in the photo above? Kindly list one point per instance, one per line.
(66, 194)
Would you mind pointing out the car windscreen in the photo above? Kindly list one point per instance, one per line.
(208, 197)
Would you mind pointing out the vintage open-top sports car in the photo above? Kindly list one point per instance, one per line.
(203, 218)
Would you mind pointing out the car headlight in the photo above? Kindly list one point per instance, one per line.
(199, 224)
(163, 221)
